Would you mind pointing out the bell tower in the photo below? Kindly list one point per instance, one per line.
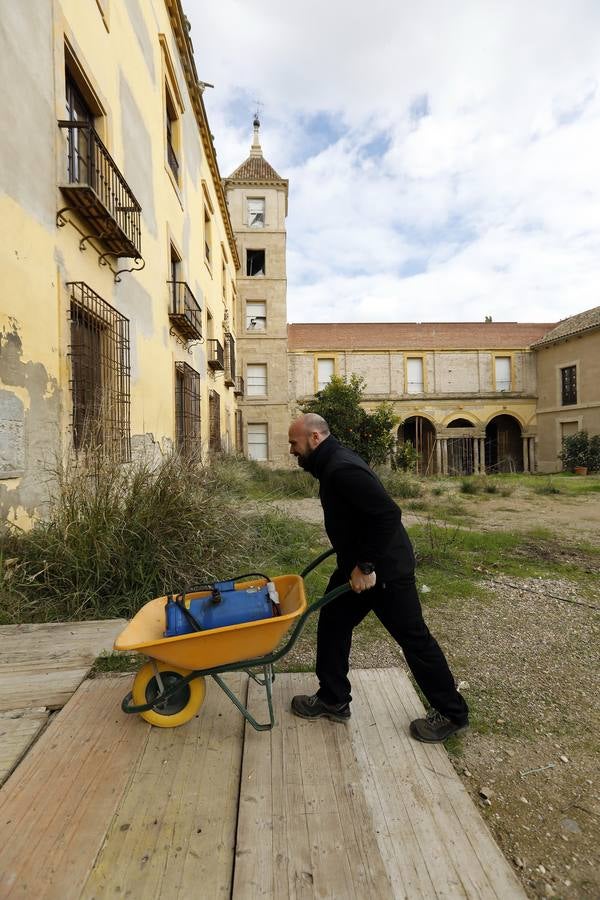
(257, 198)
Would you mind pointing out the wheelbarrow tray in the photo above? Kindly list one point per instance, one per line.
(217, 646)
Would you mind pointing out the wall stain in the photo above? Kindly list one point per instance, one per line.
(41, 431)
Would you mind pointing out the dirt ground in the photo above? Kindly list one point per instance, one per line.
(529, 664)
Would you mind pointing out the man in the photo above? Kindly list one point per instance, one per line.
(375, 556)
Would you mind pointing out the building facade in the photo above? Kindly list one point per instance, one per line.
(258, 203)
(568, 380)
(118, 313)
(465, 392)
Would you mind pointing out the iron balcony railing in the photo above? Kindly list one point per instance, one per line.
(99, 192)
(184, 312)
(239, 386)
(216, 355)
(229, 360)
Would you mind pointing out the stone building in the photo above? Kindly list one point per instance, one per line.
(465, 391)
(117, 314)
(258, 203)
(568, 384)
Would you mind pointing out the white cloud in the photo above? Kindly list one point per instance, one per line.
(442, 157)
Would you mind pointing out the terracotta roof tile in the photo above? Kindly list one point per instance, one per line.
(255, 168)
(573, 325)
(415, 336)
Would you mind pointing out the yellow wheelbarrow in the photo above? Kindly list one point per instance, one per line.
(170, 688)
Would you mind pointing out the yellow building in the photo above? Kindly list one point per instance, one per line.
(117, 314)
(465, 391)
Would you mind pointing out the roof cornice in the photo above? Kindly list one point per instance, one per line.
(186, 55)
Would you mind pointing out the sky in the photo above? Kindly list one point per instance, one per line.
(443, 157)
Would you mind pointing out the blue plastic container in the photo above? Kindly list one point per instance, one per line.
(225, 606)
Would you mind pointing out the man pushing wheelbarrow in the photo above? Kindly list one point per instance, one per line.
(375, 556)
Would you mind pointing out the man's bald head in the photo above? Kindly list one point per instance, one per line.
(305, 434)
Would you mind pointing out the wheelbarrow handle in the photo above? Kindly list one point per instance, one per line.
(316, 562)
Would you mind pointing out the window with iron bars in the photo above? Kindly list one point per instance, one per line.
(187, 409)
(214, 411)
(100, 375)
(568, 384)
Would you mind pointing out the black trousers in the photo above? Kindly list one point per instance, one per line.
(396, 604)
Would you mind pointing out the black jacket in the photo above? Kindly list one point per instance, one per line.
(362, 521)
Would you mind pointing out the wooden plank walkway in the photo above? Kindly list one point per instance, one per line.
(41, 666)
(173, 834)
(359, 810)
(103, 805)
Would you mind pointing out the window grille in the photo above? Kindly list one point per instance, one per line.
(100, 375)
(568, 381)
(239, 431)
(187, 408)
(214, 410)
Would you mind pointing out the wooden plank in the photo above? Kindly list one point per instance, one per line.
(57, 805)
(473, 840)
(359, 810)
(173, 834)
(42, 665)
(303, 827)
(475, 866)
(18, 728)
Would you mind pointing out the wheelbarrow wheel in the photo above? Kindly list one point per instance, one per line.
(177, 709)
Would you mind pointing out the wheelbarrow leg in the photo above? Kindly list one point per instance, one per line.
(266, 682)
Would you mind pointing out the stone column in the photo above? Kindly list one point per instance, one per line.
(444, 456)
(532, 459)
(476, 455)
(482, 455)
(438, 456)
(525, 454)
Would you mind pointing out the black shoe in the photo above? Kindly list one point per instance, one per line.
(314, 708)
(435, 727)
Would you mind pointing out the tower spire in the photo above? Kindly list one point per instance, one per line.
(256, 149)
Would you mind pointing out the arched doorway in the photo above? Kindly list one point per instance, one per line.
(503, 445)
(421, 433)
(460, 449)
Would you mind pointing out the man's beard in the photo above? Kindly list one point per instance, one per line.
(302, 461)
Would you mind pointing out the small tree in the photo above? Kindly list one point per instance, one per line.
(368, 434)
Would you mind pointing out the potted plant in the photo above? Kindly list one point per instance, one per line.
(575, 453)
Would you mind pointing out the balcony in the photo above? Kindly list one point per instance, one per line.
(229, 360)
(184, 313)
(238, 390)
(99, 193)
(215, 354)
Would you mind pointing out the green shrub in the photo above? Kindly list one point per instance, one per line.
(546, 487)
(580, 450)
(400, 484)
(406, 457)
(116, 536)
(469, 486)
(368, 434)
(490, 487)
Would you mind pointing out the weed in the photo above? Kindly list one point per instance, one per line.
(400, 484)
(109, 663)
(116, 536)
(469, 486)
(547, 487)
